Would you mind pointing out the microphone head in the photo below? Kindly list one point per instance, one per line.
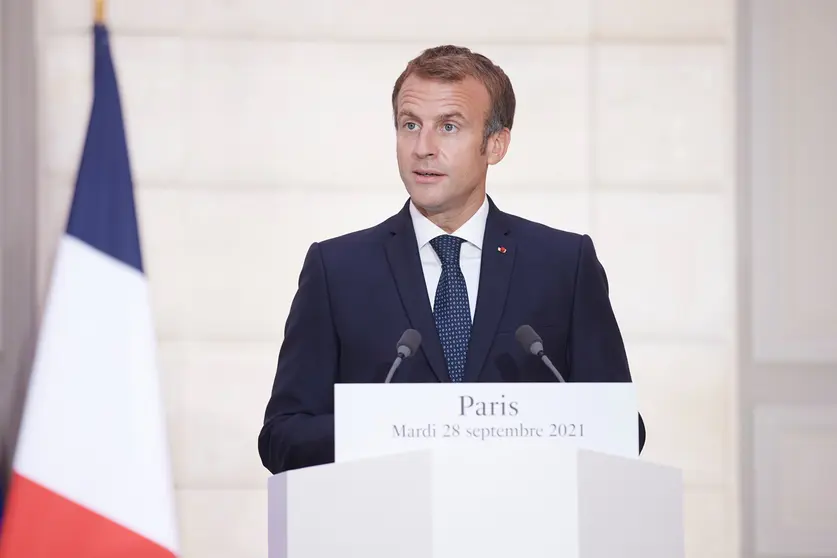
(529, 339)
(409, 343)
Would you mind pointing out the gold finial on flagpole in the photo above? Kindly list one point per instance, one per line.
(99, 11)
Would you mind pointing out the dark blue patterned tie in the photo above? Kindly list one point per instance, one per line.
(451, 309)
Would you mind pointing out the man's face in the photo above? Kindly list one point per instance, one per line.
(439, 142)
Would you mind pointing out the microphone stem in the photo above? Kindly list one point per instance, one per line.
(549, 365)
(392, 368)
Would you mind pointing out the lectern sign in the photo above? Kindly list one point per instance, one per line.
(378, 419)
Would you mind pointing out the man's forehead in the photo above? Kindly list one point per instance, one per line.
(468, 85)
(434, 98)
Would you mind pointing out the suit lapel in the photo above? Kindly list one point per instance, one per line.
(498, 254)
(404, 261)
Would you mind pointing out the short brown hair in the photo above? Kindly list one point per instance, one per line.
(452, 63)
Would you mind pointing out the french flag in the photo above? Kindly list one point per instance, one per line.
(91, 473)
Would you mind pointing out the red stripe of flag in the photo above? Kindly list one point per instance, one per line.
(40, 523)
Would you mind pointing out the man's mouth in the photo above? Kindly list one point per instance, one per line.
(428, 177)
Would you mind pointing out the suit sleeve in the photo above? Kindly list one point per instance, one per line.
(298, 428)
(595, 349)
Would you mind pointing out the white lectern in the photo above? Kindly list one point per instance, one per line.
(503, 497)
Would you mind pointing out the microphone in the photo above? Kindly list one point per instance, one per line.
(406, 347)
(532, 343)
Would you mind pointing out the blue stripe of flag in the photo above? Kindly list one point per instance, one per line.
(103, 213)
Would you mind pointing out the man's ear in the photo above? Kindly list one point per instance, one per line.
(498, 146)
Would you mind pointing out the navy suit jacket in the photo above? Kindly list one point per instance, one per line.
(359, 292)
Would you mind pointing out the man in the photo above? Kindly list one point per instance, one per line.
(450, 264)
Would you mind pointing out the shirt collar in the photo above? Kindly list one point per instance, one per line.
(472, 231)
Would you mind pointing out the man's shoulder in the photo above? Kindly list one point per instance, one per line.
(534, 231)
(354, 239)
(548, 247)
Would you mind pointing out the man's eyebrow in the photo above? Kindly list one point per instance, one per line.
(455, 115)
(407, 114)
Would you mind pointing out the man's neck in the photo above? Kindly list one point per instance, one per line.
(451, 220)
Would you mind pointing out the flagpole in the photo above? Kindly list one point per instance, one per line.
(99, 12)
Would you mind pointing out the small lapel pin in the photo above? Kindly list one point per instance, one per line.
(501, 249)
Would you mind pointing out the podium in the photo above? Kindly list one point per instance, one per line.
(498, 497)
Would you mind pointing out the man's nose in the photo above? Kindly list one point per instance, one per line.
(426, 144)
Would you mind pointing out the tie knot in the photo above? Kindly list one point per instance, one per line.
(447, 248)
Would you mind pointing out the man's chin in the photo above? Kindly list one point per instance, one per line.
(426, 199)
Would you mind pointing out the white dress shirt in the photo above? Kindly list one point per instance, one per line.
(470, 255)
